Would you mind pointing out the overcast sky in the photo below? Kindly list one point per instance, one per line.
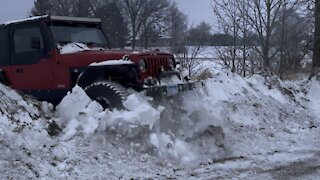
(14, 9)
(197, 10)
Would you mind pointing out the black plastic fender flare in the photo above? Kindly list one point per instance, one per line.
(93, 74)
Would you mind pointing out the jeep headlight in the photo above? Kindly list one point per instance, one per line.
(142, 65)
(171, 63)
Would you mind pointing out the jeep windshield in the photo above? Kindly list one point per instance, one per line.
(91, 36)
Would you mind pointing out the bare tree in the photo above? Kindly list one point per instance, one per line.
(82, 8)
(133, 9)
(292, 34)
(113, 21)
(233, 21)
(42, 7)
(61, 7)
(264, 18)
(158, 15)
(144, 15)
(268, 20)
(177, 24)
(195, 41)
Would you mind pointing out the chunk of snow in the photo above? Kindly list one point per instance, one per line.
(71, 129)
(169, 146)
(314, 96)
(171, 80)
(72, 104)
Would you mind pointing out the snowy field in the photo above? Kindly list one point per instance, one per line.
(232, 128)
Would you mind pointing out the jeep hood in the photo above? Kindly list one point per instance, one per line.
(85, 58)
(79, 55)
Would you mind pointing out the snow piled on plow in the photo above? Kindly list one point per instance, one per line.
(231, 117)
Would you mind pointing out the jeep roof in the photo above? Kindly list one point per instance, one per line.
(54, 18)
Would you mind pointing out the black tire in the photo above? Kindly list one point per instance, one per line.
(109, 95)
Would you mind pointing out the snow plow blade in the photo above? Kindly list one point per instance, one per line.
(172, 90)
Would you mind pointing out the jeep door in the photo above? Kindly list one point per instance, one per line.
(31, 64)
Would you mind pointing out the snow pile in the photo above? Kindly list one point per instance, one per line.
(230, 118)
(169, 147)
(263, 114)
(202, 125)
(24, 136)
(78, 114)
(314, 96)
(167, 134)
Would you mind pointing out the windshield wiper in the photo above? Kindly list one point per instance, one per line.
(94, 44)
(77, 44)
(84, 46)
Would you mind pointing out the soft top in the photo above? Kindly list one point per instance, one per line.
(54, 18)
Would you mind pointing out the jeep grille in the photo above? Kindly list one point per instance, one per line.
(154, 65)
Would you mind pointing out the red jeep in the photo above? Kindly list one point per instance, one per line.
(46, 56)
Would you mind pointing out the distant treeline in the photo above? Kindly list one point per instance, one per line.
(229, 40)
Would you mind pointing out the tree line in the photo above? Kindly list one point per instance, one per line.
(283, 30)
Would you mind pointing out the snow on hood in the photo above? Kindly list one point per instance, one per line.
(111, 62)
(76, 47)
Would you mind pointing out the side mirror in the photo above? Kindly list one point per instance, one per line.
(35, 43)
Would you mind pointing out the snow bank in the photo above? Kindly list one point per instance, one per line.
(207, 123)
(165, 129)
(314, 96)
(264, 115)
(24, 136)
(230, 117)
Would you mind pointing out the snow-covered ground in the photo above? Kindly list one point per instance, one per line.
(232, 128)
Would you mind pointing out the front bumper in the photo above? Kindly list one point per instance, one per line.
(172, 90)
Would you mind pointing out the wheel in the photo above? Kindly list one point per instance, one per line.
(109, 95)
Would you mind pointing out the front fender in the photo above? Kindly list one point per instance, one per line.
(125, 74)
(3, 79)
